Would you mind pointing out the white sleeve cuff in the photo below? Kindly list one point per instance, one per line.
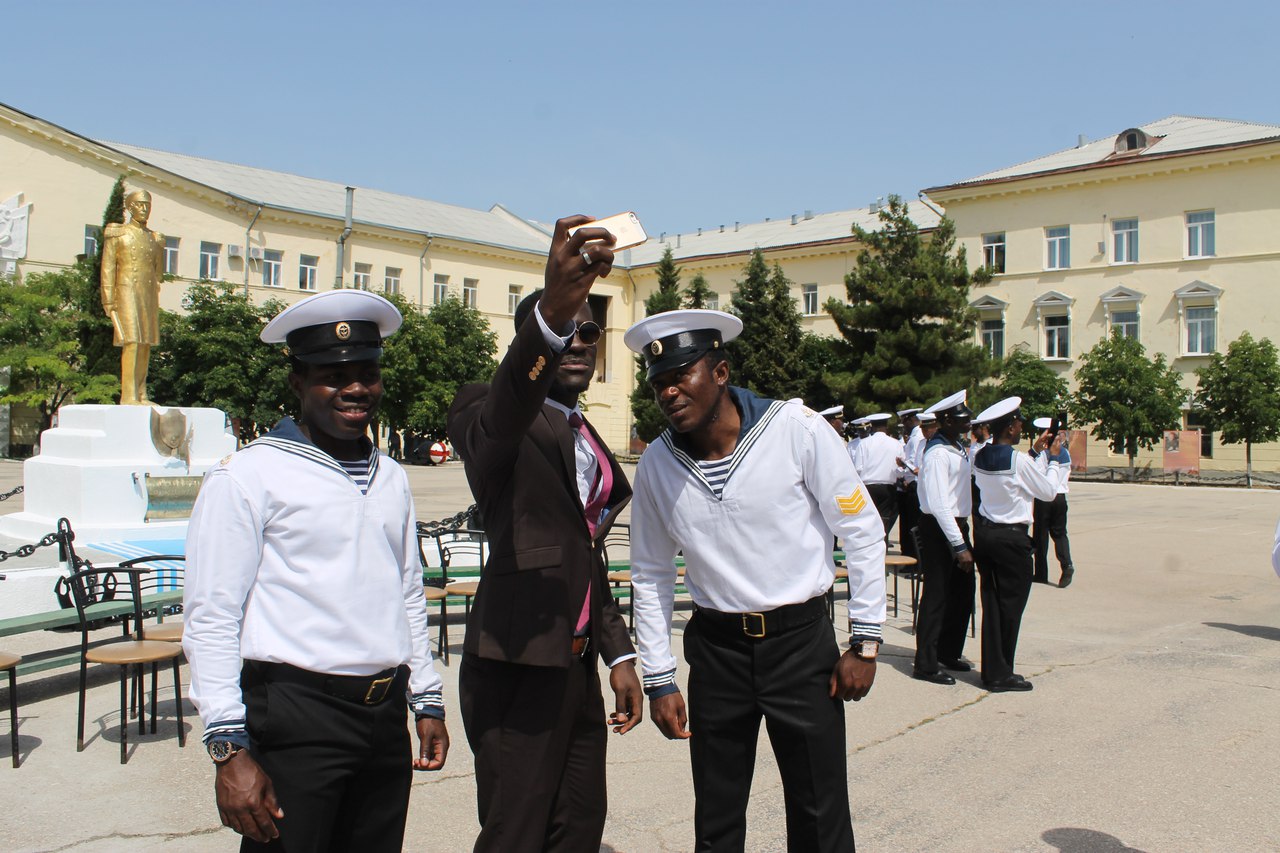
(558, 343)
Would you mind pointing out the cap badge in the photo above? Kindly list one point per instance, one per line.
(655, 348)
(342, 331)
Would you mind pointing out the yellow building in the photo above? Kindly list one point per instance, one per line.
(1169, 232)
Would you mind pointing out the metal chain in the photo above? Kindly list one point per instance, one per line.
(28, 550)
(16, 491)
(446, 525)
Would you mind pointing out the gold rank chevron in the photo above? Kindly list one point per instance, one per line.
(853, 504)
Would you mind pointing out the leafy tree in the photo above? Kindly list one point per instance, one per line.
(1129, 398)
(40, 325)
(698, 293)
(766, 356)
(648, 418)
(1024, 374)
(1239, 394)
(211, 356)
(906, 324)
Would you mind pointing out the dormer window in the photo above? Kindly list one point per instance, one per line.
(1132, 141)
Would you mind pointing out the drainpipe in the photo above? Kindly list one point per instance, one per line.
(925, 202)
(246, 249)
(342, 239)
(422, 274)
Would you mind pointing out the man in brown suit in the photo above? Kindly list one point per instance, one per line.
(548, 490)
(132, 268)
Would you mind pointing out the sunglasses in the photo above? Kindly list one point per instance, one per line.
(589, 332)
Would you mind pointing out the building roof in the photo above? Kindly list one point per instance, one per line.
(281, 190)
(806, 229)
(1175, 135)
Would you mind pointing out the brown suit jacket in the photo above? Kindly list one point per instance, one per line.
(519, 458)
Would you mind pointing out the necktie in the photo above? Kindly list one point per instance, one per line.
(595, 502)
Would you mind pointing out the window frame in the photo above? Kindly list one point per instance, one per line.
(439, 288)
(361, 276)
(1053, 305)
(1201, 229)
(515, 293)
(210, 253)
(92, 240)
(272, 268)
(1057, 247)
(1124, 240)
(988, 329)
(809, 294)
(172, 247)
(1199, 324)
(994, 250)
(308, 272)
(471, 293)
(391, 279)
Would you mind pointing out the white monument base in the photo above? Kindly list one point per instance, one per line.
(92, 469)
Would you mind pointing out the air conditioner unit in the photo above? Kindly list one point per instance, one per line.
(255, 253)
(234, 251)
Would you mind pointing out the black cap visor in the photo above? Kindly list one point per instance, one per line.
(680, 350)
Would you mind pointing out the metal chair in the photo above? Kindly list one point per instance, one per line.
(93, 592)
(9, 663)
(161, 578)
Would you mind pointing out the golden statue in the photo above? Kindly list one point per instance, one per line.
(132, 268)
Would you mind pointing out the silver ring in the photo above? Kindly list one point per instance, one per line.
(586, 258)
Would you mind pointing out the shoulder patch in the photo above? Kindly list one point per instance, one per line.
(226, 459)
(808, 412)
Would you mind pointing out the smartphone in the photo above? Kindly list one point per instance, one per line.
(1059, 423)
(625, 227)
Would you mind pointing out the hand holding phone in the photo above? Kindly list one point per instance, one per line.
(625, 227)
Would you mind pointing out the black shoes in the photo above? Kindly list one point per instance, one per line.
(1067, 574)
(956, 665)
(1012, 683)
(938, 677)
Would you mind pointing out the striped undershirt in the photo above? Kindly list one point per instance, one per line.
(716, 473)
(358, 470)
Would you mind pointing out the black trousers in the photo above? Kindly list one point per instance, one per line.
(885, 497)
(734, 681)
(341, 769)
(908, 517)
(947, 600)
(538, 736)
(1004, 562)
(1050, 522)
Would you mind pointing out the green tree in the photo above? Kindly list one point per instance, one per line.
(211, 356)
(648, 418)
(1239, 394)
(1024, 374)
(907, 325)
(698, 293)
(1129, 398)
(95, 333)
(40, 342)
(766, 356)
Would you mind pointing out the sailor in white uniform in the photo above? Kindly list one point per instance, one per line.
(751, 491)
(877, 462)
(859, 433)
(834, 415)
(946, 560)
(1009, 481)
(1051, 523)
(304, 593)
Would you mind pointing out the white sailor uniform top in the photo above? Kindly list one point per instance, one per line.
(290, 561)
(877, 459)
(946, 488)
(912, 455)
(755, 528)
(1008, 481)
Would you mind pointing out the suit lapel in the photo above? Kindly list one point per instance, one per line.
(563, 434)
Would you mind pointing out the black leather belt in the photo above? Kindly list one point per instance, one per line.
(580, 646)
(758, 624)
(985, 522)
(361, 689)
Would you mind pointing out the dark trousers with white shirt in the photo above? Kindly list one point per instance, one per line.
(885, 497)
(734, 681)
(947, 600)
(1050, 523)
(1004, 560)
(908, 517)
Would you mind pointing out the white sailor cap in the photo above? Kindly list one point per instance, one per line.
(927, 417)
(335, 326)
(674, 339)
(859, 421)
(953, 405)
(998, 411)
(832, 412)
(1042, 423)
(907, 412)
(877, 418)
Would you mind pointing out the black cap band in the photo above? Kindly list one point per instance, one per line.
(333, 343)
(679, 350)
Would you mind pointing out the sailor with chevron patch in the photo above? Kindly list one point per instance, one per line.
(750, 490)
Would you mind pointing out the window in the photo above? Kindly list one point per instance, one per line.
(391, 280)
(209, 253)
(1200, 237)
(809, 295)
(1194, 421)
(1202, 323)
(171, 255)
(1057, 335)
(440, 290)
(308, 271)
(513, 298)
(272, 267)
(993, 251)
(1058, 243)
(470, 291)
(92, 240)
(1125, 322)
(993, 337)
(713, 302)
(364, 272)
(1124, 241)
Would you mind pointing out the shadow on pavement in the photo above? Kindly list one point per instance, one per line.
(1262, 632)
(1070, 839)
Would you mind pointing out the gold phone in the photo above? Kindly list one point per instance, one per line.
(625, 227)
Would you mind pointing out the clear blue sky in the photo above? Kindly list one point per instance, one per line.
(690, 113)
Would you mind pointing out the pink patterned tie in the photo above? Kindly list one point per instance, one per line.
(595, 504)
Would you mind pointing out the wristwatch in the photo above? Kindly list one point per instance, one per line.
(865, 649)
(221, 751)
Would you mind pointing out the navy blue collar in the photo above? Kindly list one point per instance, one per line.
(751, 407)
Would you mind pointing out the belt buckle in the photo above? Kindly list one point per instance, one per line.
(384, 684)
(746, 625)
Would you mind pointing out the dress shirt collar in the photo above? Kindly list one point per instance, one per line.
(565, 410)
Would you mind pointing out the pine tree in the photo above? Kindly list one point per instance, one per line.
(96, 334)
(766, 357)
(907, 326)
(698, 293)
(649, 420)
(1239, 394)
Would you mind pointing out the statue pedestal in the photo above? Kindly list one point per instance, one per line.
(100, 468)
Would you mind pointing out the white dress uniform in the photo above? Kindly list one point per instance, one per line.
(877, 462)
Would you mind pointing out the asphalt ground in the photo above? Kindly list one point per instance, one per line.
(1152, 726)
